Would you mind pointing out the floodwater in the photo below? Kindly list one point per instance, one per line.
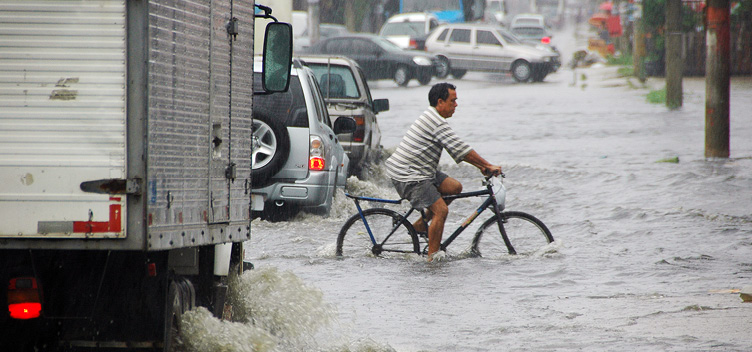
(652, 239)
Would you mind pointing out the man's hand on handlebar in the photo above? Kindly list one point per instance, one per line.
(492, 170)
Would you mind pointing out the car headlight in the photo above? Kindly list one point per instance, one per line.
(547, 59)
(422, 61)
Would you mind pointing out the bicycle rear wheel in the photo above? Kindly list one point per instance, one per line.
(353, 239)
(526, 233)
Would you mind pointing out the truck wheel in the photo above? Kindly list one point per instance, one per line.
(180, 299)
(270, 147)
(424, 79)
(521, 71)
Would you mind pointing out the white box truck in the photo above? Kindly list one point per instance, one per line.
(125, 145)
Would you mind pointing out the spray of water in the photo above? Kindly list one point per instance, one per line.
(273, 311)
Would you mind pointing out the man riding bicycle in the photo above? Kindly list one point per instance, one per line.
(413, 167)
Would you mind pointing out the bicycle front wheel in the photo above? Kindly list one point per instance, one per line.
(525, 232)
(392, 234)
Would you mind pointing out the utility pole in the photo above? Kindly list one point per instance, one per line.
(674, 63)
(313, 21)
(717, 80)
(638, 47)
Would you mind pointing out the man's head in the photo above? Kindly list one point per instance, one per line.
(443, 97)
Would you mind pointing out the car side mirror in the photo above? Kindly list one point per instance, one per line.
(344, 124)
(277, 59)
(380, 105)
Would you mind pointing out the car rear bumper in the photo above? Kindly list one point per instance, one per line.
(309, 192)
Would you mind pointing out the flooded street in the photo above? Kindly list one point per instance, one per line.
(651, 238)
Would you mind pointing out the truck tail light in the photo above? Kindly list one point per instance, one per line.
(360, 129)
(23, 298)
(316, 157)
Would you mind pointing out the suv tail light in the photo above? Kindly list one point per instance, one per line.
(23, 298)
(360, 129)
(316, 157)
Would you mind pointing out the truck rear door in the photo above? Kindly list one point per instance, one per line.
(62, 117)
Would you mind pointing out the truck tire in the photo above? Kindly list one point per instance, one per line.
(270, 148)
(180, 298)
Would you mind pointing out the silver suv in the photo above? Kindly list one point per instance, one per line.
(346, 93)
(297, 159)
(487, 48)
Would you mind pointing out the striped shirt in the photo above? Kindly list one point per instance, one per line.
(417, 157)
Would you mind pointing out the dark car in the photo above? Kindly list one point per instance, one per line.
(381, 59)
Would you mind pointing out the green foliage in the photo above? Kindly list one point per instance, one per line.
(625, 71)
(657, 96)
(622, 60)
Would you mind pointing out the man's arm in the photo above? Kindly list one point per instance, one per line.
(485, 167)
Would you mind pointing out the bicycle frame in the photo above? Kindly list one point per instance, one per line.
(377, 246)
(490, 201)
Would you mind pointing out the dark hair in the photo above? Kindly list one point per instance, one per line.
(439, 91)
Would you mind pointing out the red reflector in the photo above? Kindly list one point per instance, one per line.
(24, 310)
(546, 40)
(151, 269)
(316, 164)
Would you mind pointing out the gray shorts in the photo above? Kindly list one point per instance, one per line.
(421, 194)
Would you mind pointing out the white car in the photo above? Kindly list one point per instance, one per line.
(488, 48)
(409, 30)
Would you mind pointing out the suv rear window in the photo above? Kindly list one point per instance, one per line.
(287, 106)
(335, 81)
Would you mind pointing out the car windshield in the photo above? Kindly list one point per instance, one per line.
(288, 107)
(335, 81)
(508, 37)
(404, 28)
(387, 45)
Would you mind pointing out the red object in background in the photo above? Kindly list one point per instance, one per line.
(614, 26)
(606, 6)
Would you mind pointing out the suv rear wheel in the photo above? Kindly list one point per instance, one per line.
(270, 147)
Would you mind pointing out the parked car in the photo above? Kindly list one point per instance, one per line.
(531, 27)
(382, 59)
(409, 30)
(326, 30)
(525, 19)
(346, 93)
(488, 48)
(297, 161)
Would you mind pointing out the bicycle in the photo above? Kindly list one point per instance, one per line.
(381, 230)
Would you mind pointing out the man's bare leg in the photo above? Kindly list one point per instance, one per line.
(436, 227)
(449, 186)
